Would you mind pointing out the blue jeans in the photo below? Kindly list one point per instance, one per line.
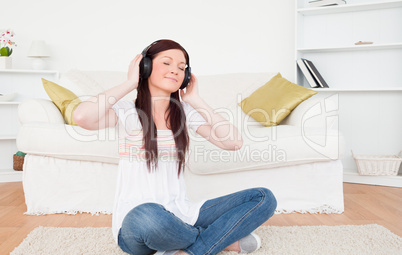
(221, 222)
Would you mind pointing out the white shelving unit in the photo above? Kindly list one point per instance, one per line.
(352, 6)
(367, 78)
(27, 84)
(364, 47)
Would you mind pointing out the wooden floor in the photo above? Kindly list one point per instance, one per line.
(364, 204)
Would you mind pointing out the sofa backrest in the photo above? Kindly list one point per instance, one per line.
(90, 83)
(226, 90)
(223, 90)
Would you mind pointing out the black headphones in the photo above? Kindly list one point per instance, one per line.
(146, 66)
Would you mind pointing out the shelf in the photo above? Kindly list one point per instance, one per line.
(349, 8)
(10, 102)
(353, 48)
(29, 71)
(8, 137)
(357, 89)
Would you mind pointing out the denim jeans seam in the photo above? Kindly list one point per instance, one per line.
(220, 201)
(180, 221)
(252, 210)
(176, 218)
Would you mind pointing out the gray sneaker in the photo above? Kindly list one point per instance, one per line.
(250, 243)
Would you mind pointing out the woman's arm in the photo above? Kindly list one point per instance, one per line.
(96, 112)
(217, 129)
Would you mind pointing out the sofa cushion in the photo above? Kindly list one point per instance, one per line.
(271, 103)
(263, 147)
(73, 142)
(63, 98)
(266, 147)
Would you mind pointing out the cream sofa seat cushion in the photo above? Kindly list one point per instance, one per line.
(263, 148)
(284, 144)
(69, 142)
(266, 147)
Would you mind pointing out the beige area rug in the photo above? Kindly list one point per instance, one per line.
(347, 239)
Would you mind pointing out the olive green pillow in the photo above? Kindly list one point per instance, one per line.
(272, 102)
(63, 98)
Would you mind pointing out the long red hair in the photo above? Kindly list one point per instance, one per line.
(176, 116)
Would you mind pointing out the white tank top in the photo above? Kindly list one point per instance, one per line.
(135, 184)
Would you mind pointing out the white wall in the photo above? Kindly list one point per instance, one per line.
(225, 36)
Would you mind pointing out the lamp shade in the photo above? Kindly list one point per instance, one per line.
(38, 49)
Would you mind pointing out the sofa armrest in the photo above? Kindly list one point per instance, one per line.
(39, 110)
(318, 111)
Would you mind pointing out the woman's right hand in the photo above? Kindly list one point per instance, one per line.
(133, 74)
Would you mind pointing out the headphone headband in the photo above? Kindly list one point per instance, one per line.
(144, 52)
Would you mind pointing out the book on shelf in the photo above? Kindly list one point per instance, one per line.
(317, 76)
(319, 3)
(309, 77)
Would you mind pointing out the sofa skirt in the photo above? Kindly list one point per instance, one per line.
(53, 185)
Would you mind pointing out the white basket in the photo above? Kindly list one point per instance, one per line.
(378, 164)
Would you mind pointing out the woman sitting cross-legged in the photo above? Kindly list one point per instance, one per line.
(151, 210)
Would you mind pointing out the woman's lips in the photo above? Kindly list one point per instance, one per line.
(173, 79)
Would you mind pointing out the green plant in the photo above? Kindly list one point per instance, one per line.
(20, 153)
(6, 41)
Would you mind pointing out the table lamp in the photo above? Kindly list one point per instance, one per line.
(37, 52)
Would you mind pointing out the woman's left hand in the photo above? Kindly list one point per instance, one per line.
(191, 90)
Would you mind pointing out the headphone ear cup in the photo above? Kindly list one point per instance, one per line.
(145, 67)
(187, 77)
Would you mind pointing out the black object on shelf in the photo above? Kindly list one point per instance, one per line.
(317, 76)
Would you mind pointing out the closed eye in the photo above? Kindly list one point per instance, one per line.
(181, 68)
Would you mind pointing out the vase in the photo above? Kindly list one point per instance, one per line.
(5, 62)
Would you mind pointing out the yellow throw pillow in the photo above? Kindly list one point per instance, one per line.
(272, 102)
(63, 98)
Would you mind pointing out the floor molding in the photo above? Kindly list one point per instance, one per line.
(390, 181)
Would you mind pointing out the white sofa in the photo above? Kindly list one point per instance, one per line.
(68, 169)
